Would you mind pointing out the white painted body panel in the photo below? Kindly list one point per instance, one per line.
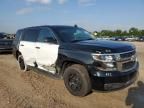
(47, 54)
(28, 51)
(45, 57)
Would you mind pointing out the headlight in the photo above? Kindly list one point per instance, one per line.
(104, 58)
(107, 62)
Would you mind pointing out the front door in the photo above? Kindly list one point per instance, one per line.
(47, 50)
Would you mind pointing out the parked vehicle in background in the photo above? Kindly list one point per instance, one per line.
(141, 39)
(73, 54)
(104, 38)
(120, 38)
(131, 39)
(2, 35)
(5, 43)
(112, 38)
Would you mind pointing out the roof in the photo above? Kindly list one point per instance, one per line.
(50, 26)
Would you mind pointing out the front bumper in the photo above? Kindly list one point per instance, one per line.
(107, 81)
(5, 50)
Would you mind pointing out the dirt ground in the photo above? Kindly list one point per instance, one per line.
(33, 90)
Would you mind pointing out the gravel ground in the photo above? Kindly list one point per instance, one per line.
(33, 90)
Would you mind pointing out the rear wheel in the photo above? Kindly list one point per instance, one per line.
(77, 80)
(22, 65)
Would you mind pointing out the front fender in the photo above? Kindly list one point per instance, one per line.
(73, 57)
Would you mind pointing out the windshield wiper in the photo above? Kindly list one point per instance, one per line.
(90, 39)
(81, 40)
(75, 40)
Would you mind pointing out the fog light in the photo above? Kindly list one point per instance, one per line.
(110, 65)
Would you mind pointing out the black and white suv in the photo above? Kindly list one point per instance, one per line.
(73, 54)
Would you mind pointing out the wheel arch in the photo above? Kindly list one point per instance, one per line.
(17, 54)
(68, 63)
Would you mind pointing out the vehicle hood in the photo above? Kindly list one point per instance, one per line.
(100, 46)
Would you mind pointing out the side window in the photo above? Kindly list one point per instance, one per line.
(30, 35)
(18, 35)
(46, 35)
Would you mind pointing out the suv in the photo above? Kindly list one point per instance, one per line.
(141, 38)
(5, 43)
(73, 54)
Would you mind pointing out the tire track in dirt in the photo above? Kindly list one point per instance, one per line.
(39, 98)
(27, 90)
(14, 100)
(40, 88)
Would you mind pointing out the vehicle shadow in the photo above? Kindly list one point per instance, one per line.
(136, 96)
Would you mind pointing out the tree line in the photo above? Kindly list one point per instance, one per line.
(133, 32)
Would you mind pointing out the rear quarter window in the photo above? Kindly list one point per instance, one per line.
(18, 35)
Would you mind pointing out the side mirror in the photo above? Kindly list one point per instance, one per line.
(50, 40)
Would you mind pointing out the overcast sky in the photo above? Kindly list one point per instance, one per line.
(89, 14)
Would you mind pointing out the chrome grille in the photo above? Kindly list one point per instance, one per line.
(122, 62)
(3, 44)
(127, 54)
(127, 61)
(128, 65)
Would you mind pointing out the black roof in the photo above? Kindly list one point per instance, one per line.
(2, 33)
(50, 26)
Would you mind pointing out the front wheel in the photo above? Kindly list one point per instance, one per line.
(22, 65)
(77, 80)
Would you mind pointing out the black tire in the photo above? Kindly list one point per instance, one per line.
(22, 65)
(77, 80)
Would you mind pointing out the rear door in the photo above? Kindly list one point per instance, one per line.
(47, 50)
(27, 46)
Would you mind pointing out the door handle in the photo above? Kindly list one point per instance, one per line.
(21, 45)
(37, 47)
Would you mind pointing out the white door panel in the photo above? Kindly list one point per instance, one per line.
(28, 51)
(47, 54)
(47, 51)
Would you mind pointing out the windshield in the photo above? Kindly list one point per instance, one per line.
(1, 36)
(73, 34)
(6, 36)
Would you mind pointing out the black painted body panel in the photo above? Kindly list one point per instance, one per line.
(121, 79)
(80, 52)
(102, 46)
